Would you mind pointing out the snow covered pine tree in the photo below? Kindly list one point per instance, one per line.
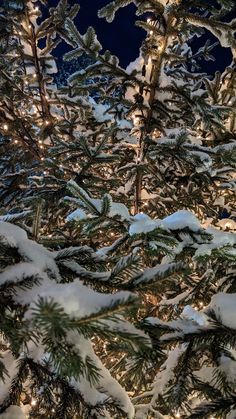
(106, 311)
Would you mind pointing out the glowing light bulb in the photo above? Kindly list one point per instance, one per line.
(148, 20)
(42, 158)
(20, 33)
(15, 141)
(5, 127)
(34, 75)
(151, 32)
(36, 9)
(33, 402)
(29, 26)
(47, 122)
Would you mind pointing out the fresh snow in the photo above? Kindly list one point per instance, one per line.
(142, 223)
(13, 412)
(224, 307)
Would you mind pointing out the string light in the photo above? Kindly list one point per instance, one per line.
(34, 75)
(16, 141)
(20, 33)
(33, 402)
(151, 32)
(5, 127)
(46, 122)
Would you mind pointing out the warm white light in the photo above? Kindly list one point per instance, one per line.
(47, 122)
(16, 142)
(148, 20)
(5, 127)
(151, 32)
(20, 33)
(33, 402)
(34, 76)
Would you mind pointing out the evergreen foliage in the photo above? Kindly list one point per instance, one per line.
(117, 281)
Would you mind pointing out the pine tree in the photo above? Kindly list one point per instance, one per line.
(109, 312)
(175, 152)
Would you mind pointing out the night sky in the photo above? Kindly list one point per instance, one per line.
(123, 39)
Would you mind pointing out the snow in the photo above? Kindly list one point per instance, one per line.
(77, 299)
(13, 412)
(142, 223)
(100, 111)
(158, 271)
(197, 316)
(106, 386)
(224, 307)
(180, 220)
(28, 249)
(79, 302)
(19, 272)
(227, 223)
(116, 209)
(219, 239)
(77, 215)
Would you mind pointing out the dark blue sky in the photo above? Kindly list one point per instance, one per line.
(123, 39)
